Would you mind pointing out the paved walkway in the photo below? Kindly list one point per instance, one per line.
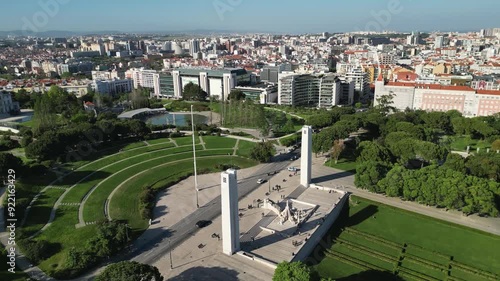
(236, 146)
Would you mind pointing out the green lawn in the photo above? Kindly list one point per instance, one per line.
(343, 165)
(245, 148)
(218, 142)
(158, 141)
(40, 210)
(186, 140)
(378, 230)
(133, 146)
(461, 143)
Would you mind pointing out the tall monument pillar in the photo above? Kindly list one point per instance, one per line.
(306, 156)
(230, 213)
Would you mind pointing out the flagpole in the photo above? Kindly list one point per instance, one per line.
(194, 159)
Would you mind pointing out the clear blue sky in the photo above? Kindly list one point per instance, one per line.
(293, 16)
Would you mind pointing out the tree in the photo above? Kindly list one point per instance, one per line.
(139, 99)
(372, 151)
(36, 250)
(23, 98)
(368, 174)
(292, 271)
(495, 145)
(194, 92)
(9, 161)
(262, 152)
(130, 271)
(236, 95)
(455, 162)
(337, 149)
(385, 103)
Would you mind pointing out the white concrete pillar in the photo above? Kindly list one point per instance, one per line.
(306, 156)
(230, 213)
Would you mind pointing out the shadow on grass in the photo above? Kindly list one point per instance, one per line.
(83, 176)
(207, 273)
(364, 214)
(372, 275)
(331, 177)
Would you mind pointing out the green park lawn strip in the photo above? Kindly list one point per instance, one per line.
(361, 256)
(133, 146)
(40, 210)
(159, 141)
(464, 275)
(218, 142)
(94, 207)
(427, 254)
(125, 207)
(376, 246)
(343, 165)
(336, 268)
(186, 140)
(439, 274)
(460, 143)
(245, 148)
(62, 232)
(433, 241)
(76, 194)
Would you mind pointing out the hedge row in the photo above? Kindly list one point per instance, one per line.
(454, 279)
(340, 258)
(426, 263)
(472, 270)
(410, 276)
(368, 251)
(429, 251)
(373, 238)
(355, 260)
(417, 274)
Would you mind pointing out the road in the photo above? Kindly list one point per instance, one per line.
(141, 250)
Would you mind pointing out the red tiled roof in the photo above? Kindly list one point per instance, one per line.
(488, 92)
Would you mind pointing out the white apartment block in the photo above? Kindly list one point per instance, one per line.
(112, 87)
(309, 90)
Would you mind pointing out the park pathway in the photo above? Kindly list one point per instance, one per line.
(202, 142)
(235, 150)
(174, 142)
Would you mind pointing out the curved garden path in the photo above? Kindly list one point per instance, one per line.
(59, 200)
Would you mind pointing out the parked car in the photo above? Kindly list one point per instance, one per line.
(261, 181)
(203, 223)
(292, 169)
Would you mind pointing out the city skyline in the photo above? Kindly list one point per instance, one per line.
(247, 16)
